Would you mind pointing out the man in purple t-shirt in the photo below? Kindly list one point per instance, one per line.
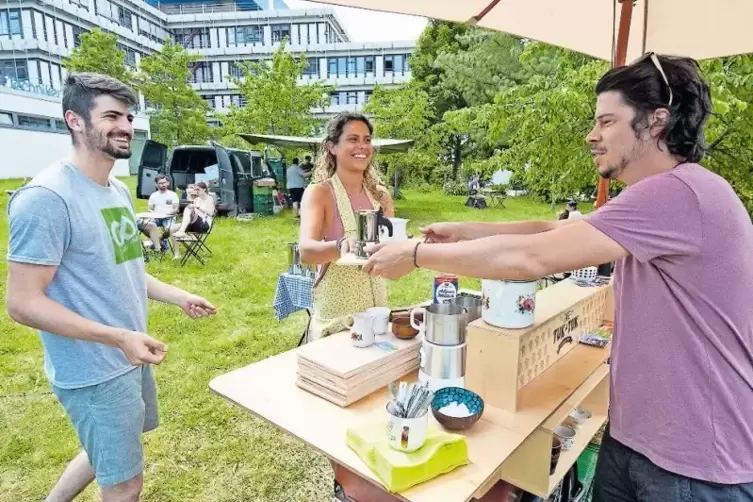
(681, 412)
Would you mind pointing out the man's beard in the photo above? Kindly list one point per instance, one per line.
(614, 171)
(97, 141)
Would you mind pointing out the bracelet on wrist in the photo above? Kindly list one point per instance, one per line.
(415, 255)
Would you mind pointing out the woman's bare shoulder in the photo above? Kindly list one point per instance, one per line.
(319, 192)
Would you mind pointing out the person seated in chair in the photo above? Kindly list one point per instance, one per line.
(162, 201)
(197, 217)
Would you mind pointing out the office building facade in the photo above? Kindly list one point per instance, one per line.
(35, 36)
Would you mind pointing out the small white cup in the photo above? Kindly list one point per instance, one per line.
(381, 317)
(407, 434)
(362, 330)
(566, 435)
(579, 416)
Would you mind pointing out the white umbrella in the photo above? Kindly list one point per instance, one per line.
(699, 29)
(613, 30)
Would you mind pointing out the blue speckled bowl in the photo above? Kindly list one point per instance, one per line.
(448, 395)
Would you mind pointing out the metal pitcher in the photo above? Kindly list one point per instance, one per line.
(368, 223)
(444, 324)
(472, 305)
(294, 259)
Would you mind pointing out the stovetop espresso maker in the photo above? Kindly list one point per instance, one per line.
(369, 221)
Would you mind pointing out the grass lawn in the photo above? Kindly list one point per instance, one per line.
(205, 449)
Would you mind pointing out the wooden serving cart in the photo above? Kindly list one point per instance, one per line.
(530, 380)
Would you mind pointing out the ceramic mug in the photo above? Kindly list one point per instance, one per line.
(399, 230)
(362, 330)
(407, 434)
(579, 416)
(566, 435)
(508, 304)
(381, 317)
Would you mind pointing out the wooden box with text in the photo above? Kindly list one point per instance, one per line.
(500, 362)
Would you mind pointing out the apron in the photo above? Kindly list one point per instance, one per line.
(342, 291)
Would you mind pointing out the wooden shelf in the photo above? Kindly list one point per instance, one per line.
(576, 398)
(567, 458)
(528, 466)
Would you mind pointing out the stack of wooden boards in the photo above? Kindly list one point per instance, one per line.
(334, 369)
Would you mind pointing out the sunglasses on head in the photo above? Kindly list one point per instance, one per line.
(655, 60)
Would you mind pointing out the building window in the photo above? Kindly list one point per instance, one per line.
(122, 16)
(352, 98)
(389, 64)
(236, 68)
(201, 73)
(10, 22)
(237, 100)
(210, 101)
(279, 32)
(312, 69)
(130, 55)
(367, 96)
(13, 69)
(397, 64)
(331, 67)
(193, 38)
(34, 122)
(6, 119)
(77, 32)
(150, 31)
(60, 125)
(350, 66)
(242, 35)
(334, 99)
(44, 27)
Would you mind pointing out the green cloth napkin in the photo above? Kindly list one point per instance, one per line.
(397, 470)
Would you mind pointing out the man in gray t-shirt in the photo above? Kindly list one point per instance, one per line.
(76, 272)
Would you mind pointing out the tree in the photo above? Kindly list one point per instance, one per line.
(440, 37)
(99, 53)
(486, 62)
(274, 101)
(405, 113)
(730, 130)
(179, 114)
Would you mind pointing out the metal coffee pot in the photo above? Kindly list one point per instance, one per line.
(295, 266)
(369, 221)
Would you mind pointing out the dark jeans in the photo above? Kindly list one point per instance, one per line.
(624, 475)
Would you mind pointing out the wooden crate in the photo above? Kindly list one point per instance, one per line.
(528, 466)
(501, 362)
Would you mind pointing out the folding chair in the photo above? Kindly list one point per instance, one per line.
(193, 243)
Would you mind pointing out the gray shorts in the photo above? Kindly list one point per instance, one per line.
(109, 419)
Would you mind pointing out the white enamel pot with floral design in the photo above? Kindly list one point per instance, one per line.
(508, 304)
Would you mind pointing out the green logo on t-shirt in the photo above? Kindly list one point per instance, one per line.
(123, 232)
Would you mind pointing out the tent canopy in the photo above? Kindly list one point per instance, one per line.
(381, 145)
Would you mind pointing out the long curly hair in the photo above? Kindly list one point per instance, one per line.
(326, 163)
